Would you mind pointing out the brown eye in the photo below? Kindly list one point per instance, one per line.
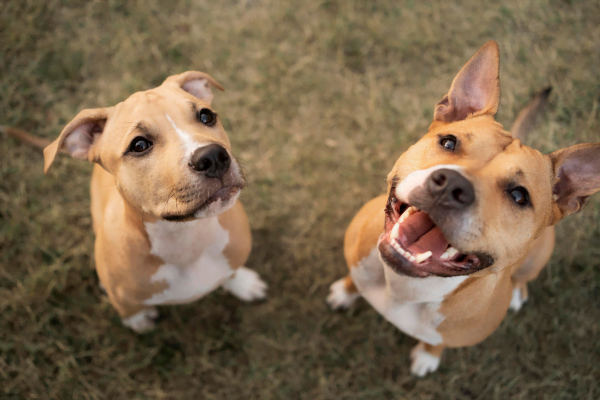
(449, 142)
(139, 145)
(207, 117)
(520, 195)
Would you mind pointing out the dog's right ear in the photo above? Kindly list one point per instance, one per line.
(78, 137)
(577, 176)
(196, 83)
(475, 90)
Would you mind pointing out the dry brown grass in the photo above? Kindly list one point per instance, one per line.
(322, 97)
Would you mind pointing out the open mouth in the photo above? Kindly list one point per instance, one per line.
(414, 245)
(225, 194)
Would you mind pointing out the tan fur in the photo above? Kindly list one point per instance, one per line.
(131, 196)
(238, 249)
(520, 239)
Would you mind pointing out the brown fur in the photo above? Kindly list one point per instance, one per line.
(128, 192)
(520, 239)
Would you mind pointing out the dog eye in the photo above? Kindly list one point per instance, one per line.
(520, 195)
(207, 117)
(139, 145)
(448, 142)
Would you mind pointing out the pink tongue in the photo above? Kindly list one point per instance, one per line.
(414, 227)
(433, 241)
(419, 234)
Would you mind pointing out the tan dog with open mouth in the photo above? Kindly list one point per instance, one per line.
(467, 221)
(169, 228)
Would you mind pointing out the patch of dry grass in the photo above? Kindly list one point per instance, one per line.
(322, 97)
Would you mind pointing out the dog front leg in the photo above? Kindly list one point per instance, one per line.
(246, 285)
(342, 293)
(425, 358)
(139, 318)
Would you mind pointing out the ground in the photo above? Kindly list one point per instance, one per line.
(321, 98)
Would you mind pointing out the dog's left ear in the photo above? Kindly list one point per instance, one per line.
(577, 172)
(196, 83)
(475, 90)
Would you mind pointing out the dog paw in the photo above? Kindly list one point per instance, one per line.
(143, 321)
(246, 285)
(517, 300)
(422, 361)
(339, 298)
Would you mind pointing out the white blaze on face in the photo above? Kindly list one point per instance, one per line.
(417, 179)
(187, 140)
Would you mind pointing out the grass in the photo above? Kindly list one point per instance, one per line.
(321, 98)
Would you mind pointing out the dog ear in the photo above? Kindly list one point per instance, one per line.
(78, 136)
(195, 83)
(476, 88)
(525, 121)
(577, 172)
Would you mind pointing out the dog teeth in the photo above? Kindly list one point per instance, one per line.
(419, 258)
(398, 248)
(409, 211)
(449, 253)
(395, 234)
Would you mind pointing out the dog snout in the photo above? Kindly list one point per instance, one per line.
(451, 188)
(212, 160)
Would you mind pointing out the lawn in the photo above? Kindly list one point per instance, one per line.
(321, 98)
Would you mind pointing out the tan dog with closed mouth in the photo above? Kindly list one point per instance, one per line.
(467, 221)
(169, 228)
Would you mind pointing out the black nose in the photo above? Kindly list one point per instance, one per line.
(213, 160)
(451, 188)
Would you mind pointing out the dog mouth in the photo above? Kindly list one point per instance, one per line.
(224, 195)
(414, 245)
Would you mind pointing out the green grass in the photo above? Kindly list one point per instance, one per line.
(321, 98)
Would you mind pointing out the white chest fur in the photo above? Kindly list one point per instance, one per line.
(411, 304)
(194, 261)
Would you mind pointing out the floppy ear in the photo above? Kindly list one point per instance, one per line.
(525, 121)
(577, 172)
(195, 83)
(476, 88)
(78, 136)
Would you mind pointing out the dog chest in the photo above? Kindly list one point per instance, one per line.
(411, 304)
(194, 263)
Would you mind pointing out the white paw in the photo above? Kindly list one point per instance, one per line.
(246, 285)
(422, 361)
(517, 300)
(339, 298)
(143, 321)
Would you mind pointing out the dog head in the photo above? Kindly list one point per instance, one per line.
(165, 147)
(468, 197)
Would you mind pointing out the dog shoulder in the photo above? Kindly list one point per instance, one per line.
(235, 222)
(364, 230)
(475, 309)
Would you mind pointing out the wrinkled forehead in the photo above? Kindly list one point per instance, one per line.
(480, 139)
(154, 104)
(521, 165)
(161, 113)
(484, 146)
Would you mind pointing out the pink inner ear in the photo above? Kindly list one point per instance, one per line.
(199, 88)
(475, 89)
(78, 142)
(578, 171)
